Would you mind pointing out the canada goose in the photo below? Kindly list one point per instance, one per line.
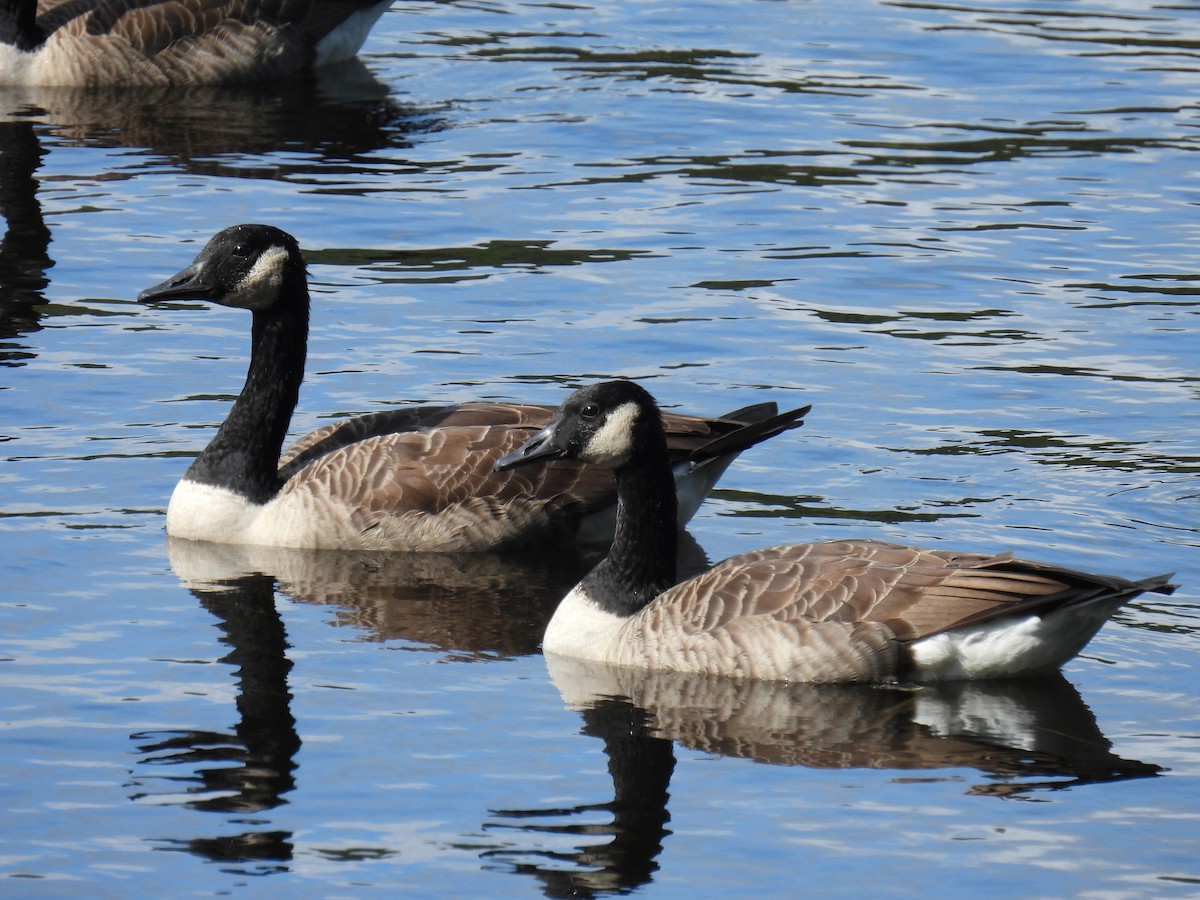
(403, 479)
(857, 610)
(89, 43)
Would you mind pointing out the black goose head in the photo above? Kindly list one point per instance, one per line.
(251, 267)
(605, 424)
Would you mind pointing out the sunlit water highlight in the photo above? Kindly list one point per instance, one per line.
(965, 233)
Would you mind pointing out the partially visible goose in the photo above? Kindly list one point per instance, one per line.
(88, 43)
(406, 479)
(825, 612)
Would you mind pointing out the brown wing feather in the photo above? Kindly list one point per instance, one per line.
(422, 477)
(846, 610)
(684, 433)
(915, 591)
(343, 433)
(446, 472)
(152, 42)
(829, 611)
(153, 24)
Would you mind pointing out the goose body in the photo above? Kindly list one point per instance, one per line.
(834, 611)
(88, 43)
(417, 478)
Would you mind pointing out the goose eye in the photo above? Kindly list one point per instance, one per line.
(590, 411)
(241, 250)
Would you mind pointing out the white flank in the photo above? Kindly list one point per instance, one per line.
(691, 487)
(1003, 649)
(346, 40)
(204, 512)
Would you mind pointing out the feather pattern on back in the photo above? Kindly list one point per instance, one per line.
(432, 485)
(830, 611)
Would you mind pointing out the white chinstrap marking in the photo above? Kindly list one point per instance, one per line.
(261, 285)
(612, 443)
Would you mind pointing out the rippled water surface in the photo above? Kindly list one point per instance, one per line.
(967, 234)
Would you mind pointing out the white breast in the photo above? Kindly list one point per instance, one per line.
(316, 519)
(202, 512)
(581, 629)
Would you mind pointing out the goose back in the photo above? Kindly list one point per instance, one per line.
(864, 610)
(84, 43)
(423, 479)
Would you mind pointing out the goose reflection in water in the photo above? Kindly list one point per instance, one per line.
(244, 771)
(640, 763)
(341, 112)
(471, 605)
(24, 247)
(1021, 736)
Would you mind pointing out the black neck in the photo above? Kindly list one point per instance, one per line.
(18, 24)
(641, 562)
(244, 455)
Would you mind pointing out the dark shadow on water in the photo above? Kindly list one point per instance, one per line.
(24, 256)
(640, 764)
(1022, 739)
(241, 772)
(468, 606)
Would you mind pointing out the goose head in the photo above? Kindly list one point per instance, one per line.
(605, 424)
(253, 267)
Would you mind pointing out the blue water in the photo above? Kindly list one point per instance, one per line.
(965, 233)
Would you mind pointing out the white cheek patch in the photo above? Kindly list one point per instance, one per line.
(612, 444)
(260, 288)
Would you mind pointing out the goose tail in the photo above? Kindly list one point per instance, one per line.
(1034, 637)
(762, 424)
(696, 476)
(1157, 584)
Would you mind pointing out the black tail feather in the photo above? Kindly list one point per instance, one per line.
(755, 412)
(1158, 584)
(748, 436)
